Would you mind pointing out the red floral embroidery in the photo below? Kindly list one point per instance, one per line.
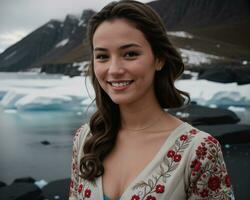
(159, 188)
(169, 163)
(183, 137)
(204, 193)
(196, 165)
(193, 131)
(177, 157)
(150, 197)
(201, 152)
(208, 172)
(211, 138)
(170, 153)
(80, 188)
(87, 193)
(209, 175)
(214, 182)
(135, 197)
(227, 181)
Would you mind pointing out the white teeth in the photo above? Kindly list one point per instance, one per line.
(120, 84)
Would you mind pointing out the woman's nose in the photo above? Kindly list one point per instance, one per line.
(116, 67)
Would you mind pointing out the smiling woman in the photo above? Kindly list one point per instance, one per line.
(132, 149)
(124, 64)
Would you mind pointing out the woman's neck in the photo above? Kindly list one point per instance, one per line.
(141, 115)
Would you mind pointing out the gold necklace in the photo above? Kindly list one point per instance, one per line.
(146, 127)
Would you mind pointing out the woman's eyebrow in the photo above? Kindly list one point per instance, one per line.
(121, 47)
(129, 45)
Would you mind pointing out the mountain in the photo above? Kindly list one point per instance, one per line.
(186, 14)
(32, 47)
(219, 28)
(49, 44)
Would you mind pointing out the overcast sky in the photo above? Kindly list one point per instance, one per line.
(20, 17)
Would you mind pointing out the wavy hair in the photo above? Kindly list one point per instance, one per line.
(105, 122)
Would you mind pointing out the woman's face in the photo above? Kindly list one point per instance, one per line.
(124, 64)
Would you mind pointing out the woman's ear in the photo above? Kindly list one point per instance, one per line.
(159, 63)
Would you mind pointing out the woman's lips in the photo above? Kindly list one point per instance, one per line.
(120, 85)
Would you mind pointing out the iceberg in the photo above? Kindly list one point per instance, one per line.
(229, 98)
(11, 97)
(44, 102)
(46, 94)
(210, 93)
(77, 93)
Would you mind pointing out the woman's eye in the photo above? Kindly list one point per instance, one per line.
(101, 57)
(131, 54)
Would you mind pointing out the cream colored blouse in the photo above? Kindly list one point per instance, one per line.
(189, 165)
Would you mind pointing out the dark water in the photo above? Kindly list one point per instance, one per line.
(22, 154)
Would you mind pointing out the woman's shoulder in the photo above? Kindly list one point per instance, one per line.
(81, 133)
(194, 140)
(199, 135)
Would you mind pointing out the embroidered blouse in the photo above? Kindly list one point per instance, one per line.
(188, 166)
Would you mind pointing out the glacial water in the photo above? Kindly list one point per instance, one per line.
(21, 151)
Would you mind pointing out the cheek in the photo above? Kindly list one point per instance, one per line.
(144, 68)
(100, 75)
(98, 71)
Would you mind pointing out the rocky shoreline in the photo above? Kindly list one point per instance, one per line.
(28, 189)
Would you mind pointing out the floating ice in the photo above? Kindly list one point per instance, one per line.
(208, 93)
(45, 94)
(77, 94)
(11, 97)
(229, 98)
(44, 102)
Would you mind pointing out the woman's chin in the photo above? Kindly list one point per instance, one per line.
(121, 100)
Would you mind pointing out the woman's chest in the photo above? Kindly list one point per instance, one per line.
(124, 165)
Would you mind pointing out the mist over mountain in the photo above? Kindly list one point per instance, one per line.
(220, 28)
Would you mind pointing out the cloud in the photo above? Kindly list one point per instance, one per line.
(11, 37)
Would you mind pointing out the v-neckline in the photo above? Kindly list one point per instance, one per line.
(147, 166)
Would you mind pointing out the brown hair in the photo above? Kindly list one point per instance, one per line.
(105, 122)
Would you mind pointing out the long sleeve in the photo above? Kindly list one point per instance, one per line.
(75, 166)
(207, 172)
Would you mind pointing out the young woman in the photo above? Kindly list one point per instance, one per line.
(132, 149)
